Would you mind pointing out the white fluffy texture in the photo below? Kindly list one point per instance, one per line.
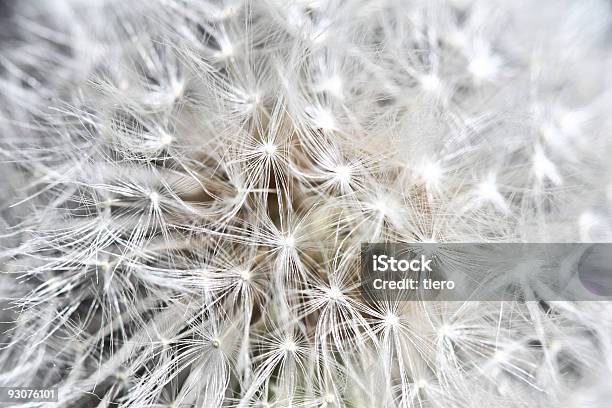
(186, 186)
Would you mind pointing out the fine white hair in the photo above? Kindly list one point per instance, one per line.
(186, 185)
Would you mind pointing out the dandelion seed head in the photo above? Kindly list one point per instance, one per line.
(227, 50)
(178, 90)
(253, 101)
(122, 376)
(488, 191)
(334, 85)
(154, 198)
(289, 345)
(391, 320)
(322, 118)
(447, 330)
(431, 83)
(342, 174)
(245, 275)
(289, 241)
(485, 67)
(380, 206)
(500, 356)
(555, 346)
(544, 168)
(211, 169)
(105, 266)
(164, 342)
(229, 11)
(166, 139)
(269, 148)
(431, 172)
(334, 293)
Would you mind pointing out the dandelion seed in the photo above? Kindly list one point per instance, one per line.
(380, 206)
(289, 241)
(253, 101)
(122, 377)
(227, 50)
(421, 384)
(166, 139)
(229, 12)
(447, 331)
(342, 174)
(431, 172)
(334, 294)
(555, 346)
(485, 67)
(333, 85)
(500, 357)
(544, 168)
(154, 198)
(289, 346)
(391, 320)
(269, 148)
(431, 83)
(245, 275)
(487, 190)
(321, 118)
(178, 90)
